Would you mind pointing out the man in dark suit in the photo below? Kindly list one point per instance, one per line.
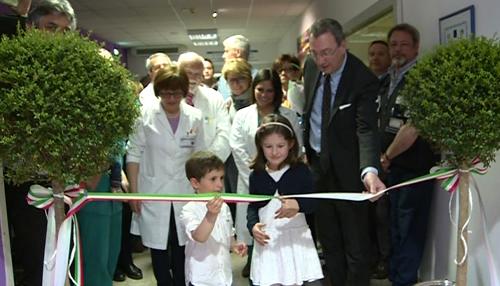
(342, 146)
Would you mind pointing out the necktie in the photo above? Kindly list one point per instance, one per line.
(189, 98)
(325, 118)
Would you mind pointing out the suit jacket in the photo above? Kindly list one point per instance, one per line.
(352, 131)
(9, 24)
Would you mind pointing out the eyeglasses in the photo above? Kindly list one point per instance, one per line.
(170, 93)
(326, 53)
(237, 80)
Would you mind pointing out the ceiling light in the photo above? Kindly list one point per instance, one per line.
(215, 14)
(203, 35)
(205, 43)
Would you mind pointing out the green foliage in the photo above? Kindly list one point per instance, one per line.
(454, 99)
(63, 107)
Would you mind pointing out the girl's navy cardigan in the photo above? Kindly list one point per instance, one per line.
(296, 180)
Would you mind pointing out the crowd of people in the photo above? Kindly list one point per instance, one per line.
(329, 124)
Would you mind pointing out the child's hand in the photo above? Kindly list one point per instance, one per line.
(240, 248)
(135, 206)
(214, 206)
(289, 208)
(259, 234)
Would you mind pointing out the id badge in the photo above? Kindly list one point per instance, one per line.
(394, 125)
(188, 141)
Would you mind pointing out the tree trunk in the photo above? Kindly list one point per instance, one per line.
(4, 235)
(59, 212)
(461, 278)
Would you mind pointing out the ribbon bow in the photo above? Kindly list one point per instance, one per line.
(451, 178)
(43, 198)
(56, 260)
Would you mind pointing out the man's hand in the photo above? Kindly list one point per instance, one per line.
(289, 208)
(385, 162)
(372, 183)
(259, 234)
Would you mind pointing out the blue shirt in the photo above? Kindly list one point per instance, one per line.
(315, 120)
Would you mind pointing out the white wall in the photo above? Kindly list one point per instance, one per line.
(441, 247)
(340, 10)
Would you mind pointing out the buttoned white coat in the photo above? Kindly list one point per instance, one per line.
(242, 142)
(161, 155)
(216, 124)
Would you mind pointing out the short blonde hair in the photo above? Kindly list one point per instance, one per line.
(237, 66)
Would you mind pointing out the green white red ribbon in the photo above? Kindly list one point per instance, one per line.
(57, 247)
(451, 179)
(42, 198)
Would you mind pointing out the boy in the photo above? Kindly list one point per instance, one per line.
(208, 225)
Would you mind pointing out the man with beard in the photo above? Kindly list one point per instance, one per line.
(406, 156)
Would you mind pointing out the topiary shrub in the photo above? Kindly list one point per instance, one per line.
(63, 107)
(453, 96)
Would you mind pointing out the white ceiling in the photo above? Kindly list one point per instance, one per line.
(142, 23)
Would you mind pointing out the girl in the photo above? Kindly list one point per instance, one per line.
(284, 253)
(266, 98)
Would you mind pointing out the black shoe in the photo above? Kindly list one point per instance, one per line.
(381, 271)
(133, 272)
(245, 272)
(119, 275)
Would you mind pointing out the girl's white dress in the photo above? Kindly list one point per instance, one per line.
(290, 257)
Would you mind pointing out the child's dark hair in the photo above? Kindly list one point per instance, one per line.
(275, 123)
(202, 162)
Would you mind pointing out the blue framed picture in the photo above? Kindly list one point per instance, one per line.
(460, 24)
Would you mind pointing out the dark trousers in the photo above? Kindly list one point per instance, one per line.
(29, 227)
(168, 265)
(343, 231)
(380, 230)
(231, 181)
(125, 258)
(410, 207)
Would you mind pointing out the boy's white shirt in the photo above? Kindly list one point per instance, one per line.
(208, 263)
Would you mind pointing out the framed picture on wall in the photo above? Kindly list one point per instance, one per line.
(460, 24)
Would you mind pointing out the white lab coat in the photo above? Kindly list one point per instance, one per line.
(242, 142)
(216, 125)
(147, 97)
(161, 155)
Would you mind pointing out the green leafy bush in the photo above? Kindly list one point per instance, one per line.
(63, 107)
(453, 95)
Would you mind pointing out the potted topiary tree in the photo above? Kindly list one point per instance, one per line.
(63, 108)
(453, 95)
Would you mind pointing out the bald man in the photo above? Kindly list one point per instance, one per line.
(216, 119)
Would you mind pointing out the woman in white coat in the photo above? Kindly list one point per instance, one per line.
(165, 136)
(267, 97)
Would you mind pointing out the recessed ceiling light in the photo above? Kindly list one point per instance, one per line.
(205, 43)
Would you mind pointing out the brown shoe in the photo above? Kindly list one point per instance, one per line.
(245, 272)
